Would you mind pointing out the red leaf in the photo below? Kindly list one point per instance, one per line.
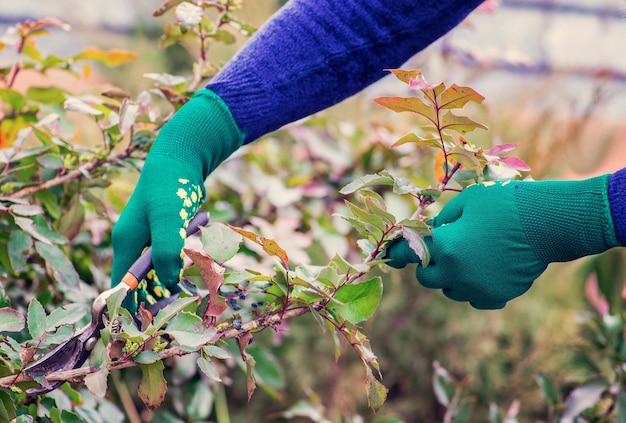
(242, 342)
(496, 150)
(515, 163)
(212, 279)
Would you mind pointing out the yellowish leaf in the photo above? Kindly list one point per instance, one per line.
(456, 97)
(87, 71)
(113, 57)
(272, 248)
(246, 234)
(408, 104)
(406, 75)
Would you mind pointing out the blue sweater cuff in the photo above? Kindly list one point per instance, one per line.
(617, 199)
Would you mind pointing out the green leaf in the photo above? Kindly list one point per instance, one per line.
(224, 37)
(461, 124)
(50, 202)
(374, 224)
(241, 26)
(96, 382)
(171, 310)
(382, 178)
(7, 407)
(31, 51)
(209, 369)
(74, 104)
(11, 320)
(28, 226)
(376, 205)
(455, 97)
(147, 357)
(548, 390)
(99, 356)
(26, 209)
(267, 370)
(250, 380)
(463, 410)
(376, 391)
(50, 161)
(358, 226)
(217, 352)
(428, 141)
(494, 414)
(46, 95)
(15, 350)
(128, 115)
(408, 104)
(219, 241)
(583, 397)
(37, 319)
(62, 334)
(19, 246)
(359, 300)
(621, 408)
(58, 265)
(444, 386)
(199, 406)
(114, 302)
(416, 241)
(66, 315)
(188, 330)
(12, 98)
(153, 385)
(71, 221)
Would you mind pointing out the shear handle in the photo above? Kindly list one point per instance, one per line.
(143, 264)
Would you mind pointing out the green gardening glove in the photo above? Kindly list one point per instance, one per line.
(493, 240)
(170, 190)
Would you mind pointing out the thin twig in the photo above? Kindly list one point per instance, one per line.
(78, 173)
(126, 399)
(267, 321)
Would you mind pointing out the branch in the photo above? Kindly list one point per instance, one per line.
(77, 173)
(264, 322)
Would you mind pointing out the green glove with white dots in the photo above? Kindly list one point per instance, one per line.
(170, 190)
(491, 241)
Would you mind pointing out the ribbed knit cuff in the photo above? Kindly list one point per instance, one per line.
(566, 220)
(617, 200)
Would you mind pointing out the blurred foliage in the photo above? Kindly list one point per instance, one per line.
(299, 225)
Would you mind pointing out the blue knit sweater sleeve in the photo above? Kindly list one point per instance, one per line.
(313, 54)
(617, 199)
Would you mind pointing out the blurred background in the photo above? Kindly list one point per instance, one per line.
(554, 76)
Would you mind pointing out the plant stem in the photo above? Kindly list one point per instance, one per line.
(126, 399)
(78, 173)
(221, 405)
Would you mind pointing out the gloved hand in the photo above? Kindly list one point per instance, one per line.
(493, 240)
(170, 189)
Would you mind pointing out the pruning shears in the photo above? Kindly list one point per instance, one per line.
(73, 353)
